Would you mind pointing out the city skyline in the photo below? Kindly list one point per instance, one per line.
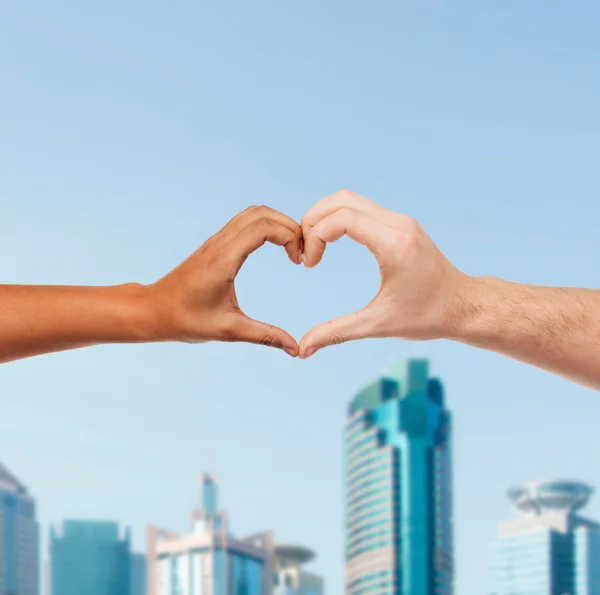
(96, 555)
(398, 464)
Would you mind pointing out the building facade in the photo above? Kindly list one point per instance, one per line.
(89, 557)
(550, 549)
(399, 536)
(290, 576)
(138, 574)
(211, 561)
(19, 538)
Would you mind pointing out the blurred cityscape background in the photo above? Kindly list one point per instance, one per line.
(398, 533)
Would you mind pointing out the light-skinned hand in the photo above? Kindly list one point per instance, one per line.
(419, 297)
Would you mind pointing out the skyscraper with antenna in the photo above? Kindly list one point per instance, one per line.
(211, 561)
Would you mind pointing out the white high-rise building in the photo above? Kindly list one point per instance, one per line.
(19, 538)
(551, 549)
(211, 561)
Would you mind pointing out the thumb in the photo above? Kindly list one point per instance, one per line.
(358, 325)
(249, 330)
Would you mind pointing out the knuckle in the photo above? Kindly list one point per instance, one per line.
(227, 260)
(410, 226)
(346, 193)
(262, 224)
(263, 211)
(347, 214)
(406, 241)
(348, 197)
(406, 234)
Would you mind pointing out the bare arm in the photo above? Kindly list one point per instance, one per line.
(195, 302)
(44, 319)
(554, 328)
(423, 296)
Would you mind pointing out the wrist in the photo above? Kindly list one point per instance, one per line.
(472, 307)
(142, 320)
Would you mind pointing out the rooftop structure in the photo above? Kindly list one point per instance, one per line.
(538, 497)
(292, 556)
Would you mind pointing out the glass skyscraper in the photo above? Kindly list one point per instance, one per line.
(550, 549)
(90, 557)
(19, 538)
(398, 486)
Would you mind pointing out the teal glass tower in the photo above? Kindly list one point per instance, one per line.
(90, 557)
(551, 549)
(399, 537)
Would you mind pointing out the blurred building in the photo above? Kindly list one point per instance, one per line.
(19, 538)
(91, 558)
(138, 574)
(551, 549)
(290, 576)
(399, 536)
(211, 561)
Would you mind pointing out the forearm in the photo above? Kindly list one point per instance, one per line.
(44, 319)
(556, 329)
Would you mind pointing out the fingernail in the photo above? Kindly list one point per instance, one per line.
(310, 351)
(290, 351)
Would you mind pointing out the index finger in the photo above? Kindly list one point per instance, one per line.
(259, 231)
(259, 213)
(325, 207)
(347, 198)
(358, 226)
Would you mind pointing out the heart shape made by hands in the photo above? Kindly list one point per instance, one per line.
(416, 279)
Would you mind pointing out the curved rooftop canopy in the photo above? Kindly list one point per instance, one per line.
(288, 555)
(537, 497)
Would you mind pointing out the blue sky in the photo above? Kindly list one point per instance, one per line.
(130, 132)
